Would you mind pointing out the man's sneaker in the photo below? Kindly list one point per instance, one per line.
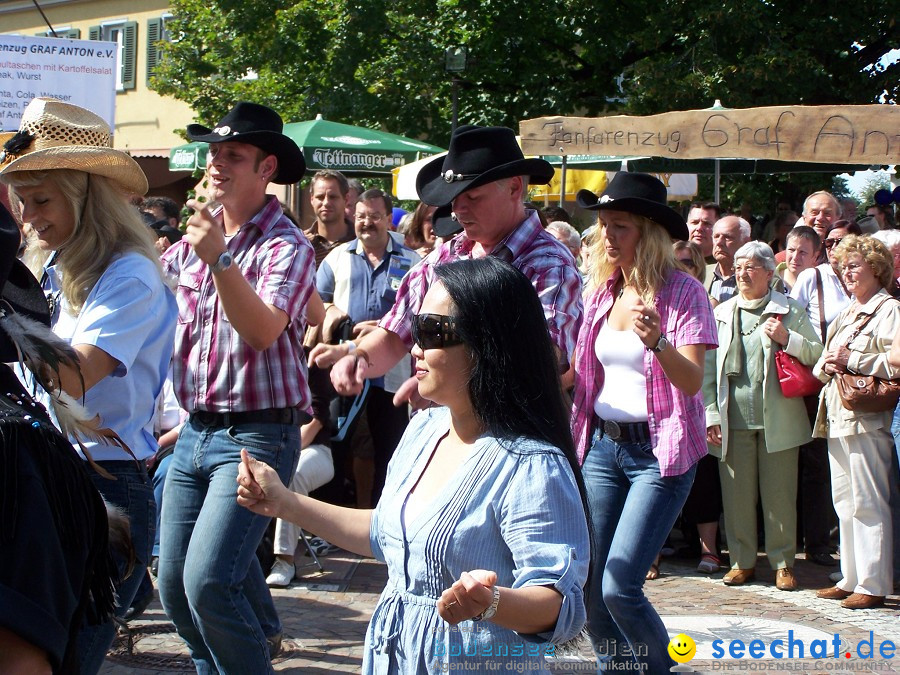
(282, 574)
(321, 547)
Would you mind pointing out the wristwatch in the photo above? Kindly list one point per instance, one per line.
(660, 345)
(224, 262)
(492, 608)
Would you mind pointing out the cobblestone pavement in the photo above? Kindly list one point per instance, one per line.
(325, 618)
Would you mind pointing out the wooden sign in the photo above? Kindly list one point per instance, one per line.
(852, 134)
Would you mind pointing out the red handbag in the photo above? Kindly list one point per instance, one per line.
(796, 379)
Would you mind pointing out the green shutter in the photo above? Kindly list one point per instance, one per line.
(74, 34)
(154, 35)
(129, 54)
(94, 33)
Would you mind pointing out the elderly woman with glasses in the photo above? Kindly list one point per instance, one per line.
(821, 291)
(751, 426)
(860, 443)
(482, 518)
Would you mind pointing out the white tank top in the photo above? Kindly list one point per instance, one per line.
(623, 397)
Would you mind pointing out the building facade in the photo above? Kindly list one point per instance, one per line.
(145, 121)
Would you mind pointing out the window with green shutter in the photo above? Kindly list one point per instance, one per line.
(124, 34)
(157, 32)
(129, 55)
(154, 37)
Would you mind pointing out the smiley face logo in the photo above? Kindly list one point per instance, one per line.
(682, 648)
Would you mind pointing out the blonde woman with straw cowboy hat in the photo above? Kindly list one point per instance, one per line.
(100, 271)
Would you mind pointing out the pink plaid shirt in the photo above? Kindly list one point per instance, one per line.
(214, 369)
(547, 263)
(677, 421)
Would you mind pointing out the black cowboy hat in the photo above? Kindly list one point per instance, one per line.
(443, 222)
(640, 194)
(21, 293)
(260, 126)
(477, 155)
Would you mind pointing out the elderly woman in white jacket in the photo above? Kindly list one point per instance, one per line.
(860, 443)
(751, 426)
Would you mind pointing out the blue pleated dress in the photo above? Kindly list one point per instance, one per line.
(512, 507)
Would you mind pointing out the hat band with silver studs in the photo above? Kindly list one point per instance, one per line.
(451, 177)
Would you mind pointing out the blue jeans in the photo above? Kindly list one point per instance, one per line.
(133, 494)
(159, 482)
(632, 510)
(211, 585)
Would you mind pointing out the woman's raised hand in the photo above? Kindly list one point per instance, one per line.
(646, 323)
(259, 487)
(469, 596)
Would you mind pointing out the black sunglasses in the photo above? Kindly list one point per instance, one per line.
(434, 331)
(831, 243)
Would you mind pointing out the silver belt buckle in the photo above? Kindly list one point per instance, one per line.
(611, 429)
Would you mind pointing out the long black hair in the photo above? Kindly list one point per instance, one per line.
(514, 384)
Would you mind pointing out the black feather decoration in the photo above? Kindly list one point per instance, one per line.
(15, 145)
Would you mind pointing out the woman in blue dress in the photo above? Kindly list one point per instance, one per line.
(482, 520)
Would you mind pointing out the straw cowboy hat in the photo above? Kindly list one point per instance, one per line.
(640, 194)
(261, 127)
(477, 155)
(58, 135)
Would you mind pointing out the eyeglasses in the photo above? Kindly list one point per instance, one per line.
(687, 262)
(371, 217)
(435, 331)
(749, 269)
(831, 243)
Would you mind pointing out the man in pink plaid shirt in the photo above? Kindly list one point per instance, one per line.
(484, 176)
(245, 274)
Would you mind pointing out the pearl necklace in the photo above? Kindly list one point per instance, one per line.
(752, 330)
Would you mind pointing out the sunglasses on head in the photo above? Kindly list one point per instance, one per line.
(434, 331)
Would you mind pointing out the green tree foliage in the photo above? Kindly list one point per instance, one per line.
(876, 182)
(763, 192)
(381, 62)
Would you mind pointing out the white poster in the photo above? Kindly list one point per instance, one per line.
(82, 72)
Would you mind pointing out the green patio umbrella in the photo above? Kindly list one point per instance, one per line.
(354, 151)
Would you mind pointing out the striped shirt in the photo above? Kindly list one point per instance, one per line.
(215, 369)
(677, 421)
(546, 262)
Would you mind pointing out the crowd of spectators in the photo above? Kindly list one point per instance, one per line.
(395, 384)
